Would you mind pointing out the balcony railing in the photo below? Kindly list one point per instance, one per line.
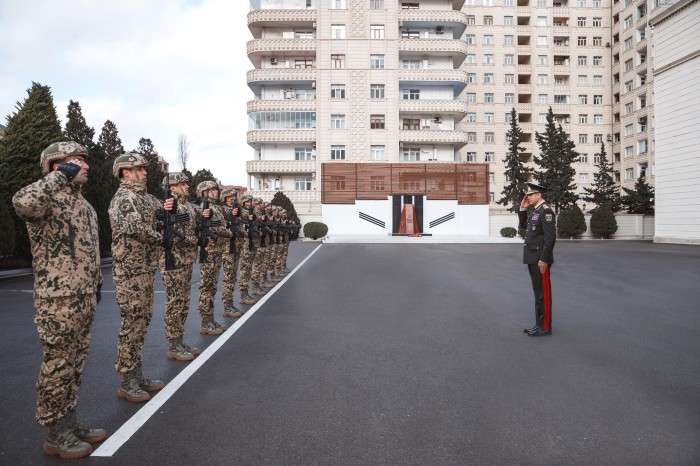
(456, 49)
(456, 138)
(280, 166)
(259, 136)
(455, 20)
(293, 195)
(281, 75)
(257, 19)
(434, 106)
(269, 46)
(280, 105)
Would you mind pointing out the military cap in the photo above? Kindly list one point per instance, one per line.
(228, 192)
(246, 198)
(128, 160)
(533, 188)
(205, 186)
(59, 151)
(176, 178)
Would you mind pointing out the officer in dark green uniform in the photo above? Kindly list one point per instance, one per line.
(538, 255)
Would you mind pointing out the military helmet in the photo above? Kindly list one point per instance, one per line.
(246, 198)
(205, 186)
(128, 160)
(257, 200)
(175, 178)
(59, 151)
(228, 192)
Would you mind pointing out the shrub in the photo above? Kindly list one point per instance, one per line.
(603, 223)
(508, 232)
(315, 230)
(571, 222)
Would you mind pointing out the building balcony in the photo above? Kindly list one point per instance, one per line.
(641, 45)
(419, 48)
(293, 195)
(294, 19)
(290, 76)
(455, 78)
(256, 137)
(641, 68)
(560, 10)
(457, 4)
(562, 69)
(299, 105)
(561, 30)
(455, 20)
(259, 48)
(524, 69)
(280, 166)
(456, 108)
(523, 10)
(561, 49)
(430, 136)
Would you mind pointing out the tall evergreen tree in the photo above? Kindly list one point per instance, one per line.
(30, 130)
(556, 159)
(517, 174)
(155, 172)
(639, 200)
(7, 230)
(603, 192)
(281, 200)
(109, 146)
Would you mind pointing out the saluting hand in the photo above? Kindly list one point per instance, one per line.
(524, 204)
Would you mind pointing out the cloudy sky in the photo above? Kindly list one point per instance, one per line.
(156, 68)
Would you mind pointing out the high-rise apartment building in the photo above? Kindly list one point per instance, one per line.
(435, 81)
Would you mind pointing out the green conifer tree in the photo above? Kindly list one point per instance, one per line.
(30, 129)
(155, 172)
(109, 146)
(7, 230)
(516, 172)
(603, 192)
(556, 159)
(639, 200)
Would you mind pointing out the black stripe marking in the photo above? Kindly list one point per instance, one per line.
(371, 219)
(443, 219)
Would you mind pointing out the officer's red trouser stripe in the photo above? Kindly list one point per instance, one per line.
(547, 300)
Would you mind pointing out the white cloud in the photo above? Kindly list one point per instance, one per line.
(156, 69)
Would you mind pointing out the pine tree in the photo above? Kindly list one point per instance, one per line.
(154, 184)
(639, 200)
(29, 130)
(7, 230)
(517, 173)
(556, 159)
(109, 146)
(604, 192)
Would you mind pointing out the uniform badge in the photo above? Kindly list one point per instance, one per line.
(126, 207)
(549, 217)
(536, 217)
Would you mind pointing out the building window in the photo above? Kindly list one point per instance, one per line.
(488, 98)
(470, 39)
(541, 79)
(597, 61)
(629, 173)
(629, 130)
(300, 64)
(627, 23)
(629, 43)
(509, 78)
(508, 59)
(337, 31)
(561, 99)
(581, 21)
(376, 91)
(489, 137)
(302, 153)
(471, 117)
(642, 146)
(410, 94)
(597, 22)
(488, 39)
(376, 31)
(596, 158)
(597, 100)
(488, 78)
(507, 2)
(582, 79)
(583, 178)
(471, 58)
(488, 58)
(337, 152)
(629, 108)
(337, 61)
(542, 60)
(337, 121)
(582, 61)
(583, 118)
(471, 97)
(597, 3)
(542, 98)
(581, 3)
(597, 138)
(337, 4)
(597, 79)
(583, 99)
(507, 20)
(471, 20)
(302, 183)
(583, 158)
(377, 153)
(337, 91)
(509, 98)
(488, 20)
(488, 117)
(376, 4)
(582, 41)
(471, 156)
(541, 40)
(492, 178)
(542, 118)
(471, 137)
(376, 62)
(629, 65)
(471, 78)
(508, 118)
(409, 6)
(597, 41)
(376, 122)
(541, 21)
(411, 154)
(488, 157)
(583, 139)
(508, 40)
(411, 124)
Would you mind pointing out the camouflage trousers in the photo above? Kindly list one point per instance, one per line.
(282, 256)
(247, 259)
(177, 305)
(259, 264)
(231, 273)
(272, 257)
(208, 281)
(64, 325)
(135, 299)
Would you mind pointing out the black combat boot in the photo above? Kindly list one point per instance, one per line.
(63, 442)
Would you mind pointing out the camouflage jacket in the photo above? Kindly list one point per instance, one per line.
(136, 245)
(185, 251)
(221, 244)
(63, 231)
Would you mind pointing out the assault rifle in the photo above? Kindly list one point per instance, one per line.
(204, 233)
(166, 224)
(233, 222)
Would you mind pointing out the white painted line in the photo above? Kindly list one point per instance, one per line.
(110, 446)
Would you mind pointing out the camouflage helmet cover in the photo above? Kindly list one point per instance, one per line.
(228, 192)
(59, 151)
(176, 178)
(128, 160)
(246, 198)
(257, 200)
(205, 186)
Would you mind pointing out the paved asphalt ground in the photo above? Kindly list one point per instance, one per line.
(407, 355)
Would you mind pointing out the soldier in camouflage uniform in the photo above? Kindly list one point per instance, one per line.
(278, 247)
(282, 264)
(135, 251)
(260, 250)
(247, 251)
(209, 271)
(178, 281)
(231, 259)
(62, 228)
(269, 249)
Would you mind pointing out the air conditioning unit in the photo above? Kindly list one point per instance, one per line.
(313, 84)
(273, 61)
(567, 120)
(437, 119)
(607, 44)
(608, 137)
(440, 30)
